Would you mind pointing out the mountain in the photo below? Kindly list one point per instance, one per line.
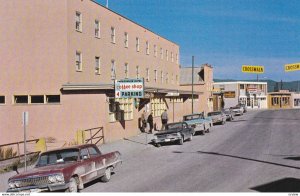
(273, 86)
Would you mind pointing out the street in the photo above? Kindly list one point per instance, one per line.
(259, 151)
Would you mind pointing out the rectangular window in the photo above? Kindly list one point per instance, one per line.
(97, 65)
(126, 70)
(52, 98)
(137, 71)
(2, 99)
(137, 44)
(120, 109)
(177, 59)
(172, 57)
(157, 106)
(97, 29)
(161, 53)
(242, 86)
(167, 78)
(20, 99)
(155, 50)
(113, 35)
(147, 48)
(37, 99)
(155, 75)
(172, 79)
(162, 77)
(113, 70)
(126, 39)
(167, 55)
(78, 22)
(78, 61)
(147, 75)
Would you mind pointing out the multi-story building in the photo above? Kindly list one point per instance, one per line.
(252, 94)
(60, 60)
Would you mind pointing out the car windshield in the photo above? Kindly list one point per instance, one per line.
(191, 117)
(174, 126)
(213, 113)
(59, 156)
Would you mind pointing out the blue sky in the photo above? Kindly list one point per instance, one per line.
(225, 33)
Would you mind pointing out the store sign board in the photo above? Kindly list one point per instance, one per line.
(229, 94)
(292, 67)
(257, 69)
(129, 88)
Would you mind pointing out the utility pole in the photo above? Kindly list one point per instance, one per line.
(106, 3)
(192, 84)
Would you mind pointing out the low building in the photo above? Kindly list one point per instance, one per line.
(296, 99)
(252, 94)
(280, 100)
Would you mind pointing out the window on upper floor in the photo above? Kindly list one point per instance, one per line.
(37, 99)
(167, 78)
(177, 59)
(97, 29)
(78, 21)
(2, 99)
(242, 86)
(137, 45)
(21, 99)
(155, 75)
(172, 57)
(137, 69)
(167, 55)
(78, 61)
(147, 75)
(113, 70)
(126, 39)
(147, 48)
(52, 99)
(113, 35)
(161, 53)
(162, 77)
(126, 67)
(97, 65)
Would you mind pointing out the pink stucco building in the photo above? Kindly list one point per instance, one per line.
(59, 60)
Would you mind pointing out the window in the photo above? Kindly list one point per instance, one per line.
(120, 109)
(113, 35)
(161, 53)
(52, 98)
(172, 57)
(155, 50)
(155, 75)
(167, 78)
(162, 77)
(93, 151)
(78, 21)
(242, 86)
(84, 153)
(126, 70)
(137, 44)
(97, 29)
(78, 61)
(20, 99)
(97, 65)
(167, 55)
(157, 106)
(147, 48)
(137, 71)
(177, 59)
(172, 79)
(2, 99)
(147, 75)
(113, 70)
(36, 99)
(126, 39)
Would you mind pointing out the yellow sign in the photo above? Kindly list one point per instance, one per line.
(253, 69)
(229, 94)
(292, 67)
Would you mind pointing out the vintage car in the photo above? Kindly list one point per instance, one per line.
(66, 169)
(243, 106)
(198, 122)
(229, 114)
(218, 117)
(174, 132)
(237, 110)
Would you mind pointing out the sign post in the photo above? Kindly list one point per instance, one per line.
(25, 117)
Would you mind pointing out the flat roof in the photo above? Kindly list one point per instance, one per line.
(241, 82)
(133, 22)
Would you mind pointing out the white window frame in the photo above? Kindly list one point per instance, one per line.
(113, 35)
(126, 39)
(167, 55)
(162, 77)
(177, 59)
(155, 75)
(97, 65)
(147, 48)
(126, 70)
(78, 21)
(97, 29)
(78, 61)
(172, 57)
(147, 75)
(161, 53)
(137, 69)
(137, 46)
(113, 74)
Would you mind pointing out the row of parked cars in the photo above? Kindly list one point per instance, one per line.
(195, 123)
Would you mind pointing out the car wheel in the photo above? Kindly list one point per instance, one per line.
(107, 175)
(180, 142)
(157, 145)
(73, 187)
(191, 137)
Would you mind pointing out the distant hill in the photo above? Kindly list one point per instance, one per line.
(273, 86)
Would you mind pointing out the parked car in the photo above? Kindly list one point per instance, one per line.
(218, 117)
(237, 110)
(243, 106)
(66, 169)
(198, 122)
(229, 114)
(174, 132)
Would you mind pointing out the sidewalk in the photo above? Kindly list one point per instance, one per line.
(128, 147)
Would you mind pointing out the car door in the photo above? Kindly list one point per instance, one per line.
(88, 164)
(185, 130)
(99, 159)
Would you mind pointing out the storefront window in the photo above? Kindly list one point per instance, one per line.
(120, 109)
(157, 106)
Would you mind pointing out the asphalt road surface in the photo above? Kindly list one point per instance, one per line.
(259, 151)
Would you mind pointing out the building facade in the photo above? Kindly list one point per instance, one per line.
(61, 59)
(252, 94)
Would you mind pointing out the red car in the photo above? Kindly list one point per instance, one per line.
(66, 169)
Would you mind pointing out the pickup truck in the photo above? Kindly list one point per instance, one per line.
(198, 122)
(66, 169)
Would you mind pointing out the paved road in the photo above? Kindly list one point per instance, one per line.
(259, 151)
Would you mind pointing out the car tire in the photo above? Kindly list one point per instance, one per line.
(73, 186)
(191, 137)
(107, 175)
(158, 145)
(180, 141)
